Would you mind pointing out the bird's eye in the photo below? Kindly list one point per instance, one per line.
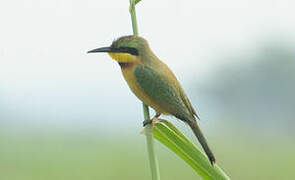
(129, 50)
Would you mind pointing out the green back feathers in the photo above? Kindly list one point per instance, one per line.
(160, 89)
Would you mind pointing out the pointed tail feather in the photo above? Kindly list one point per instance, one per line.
(197, 131)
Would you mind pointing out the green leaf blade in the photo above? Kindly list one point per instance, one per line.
(137, 1)
(179, 144)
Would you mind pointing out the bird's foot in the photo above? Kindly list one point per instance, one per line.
(146, 122)
(152, 121)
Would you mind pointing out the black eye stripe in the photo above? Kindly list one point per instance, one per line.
(129, 50)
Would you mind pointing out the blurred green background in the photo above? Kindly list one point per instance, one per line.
(67, 115)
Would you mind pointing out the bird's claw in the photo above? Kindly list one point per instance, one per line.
(152, 121)
(146, 122)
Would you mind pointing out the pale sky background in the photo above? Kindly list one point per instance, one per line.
(48, 80)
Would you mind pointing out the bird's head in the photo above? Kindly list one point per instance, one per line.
(126, 49)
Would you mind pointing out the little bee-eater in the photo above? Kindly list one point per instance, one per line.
(154, 83)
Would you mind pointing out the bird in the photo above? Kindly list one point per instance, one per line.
(152, 81)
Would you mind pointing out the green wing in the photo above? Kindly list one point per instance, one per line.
(162, 91)
(188, 103)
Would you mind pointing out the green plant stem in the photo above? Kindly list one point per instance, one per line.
(148, 128)
(150, 145)
(133, 17)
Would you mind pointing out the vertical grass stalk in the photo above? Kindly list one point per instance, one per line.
(148, 128)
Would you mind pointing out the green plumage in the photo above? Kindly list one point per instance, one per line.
(158, 88)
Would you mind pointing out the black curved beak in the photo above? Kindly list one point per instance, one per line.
(103, 49)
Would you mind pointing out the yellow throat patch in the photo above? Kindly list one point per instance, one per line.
(123, 57)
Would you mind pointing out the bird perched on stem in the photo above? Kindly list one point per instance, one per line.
(154, 83)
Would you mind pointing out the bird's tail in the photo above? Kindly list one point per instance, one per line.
(197, 131)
